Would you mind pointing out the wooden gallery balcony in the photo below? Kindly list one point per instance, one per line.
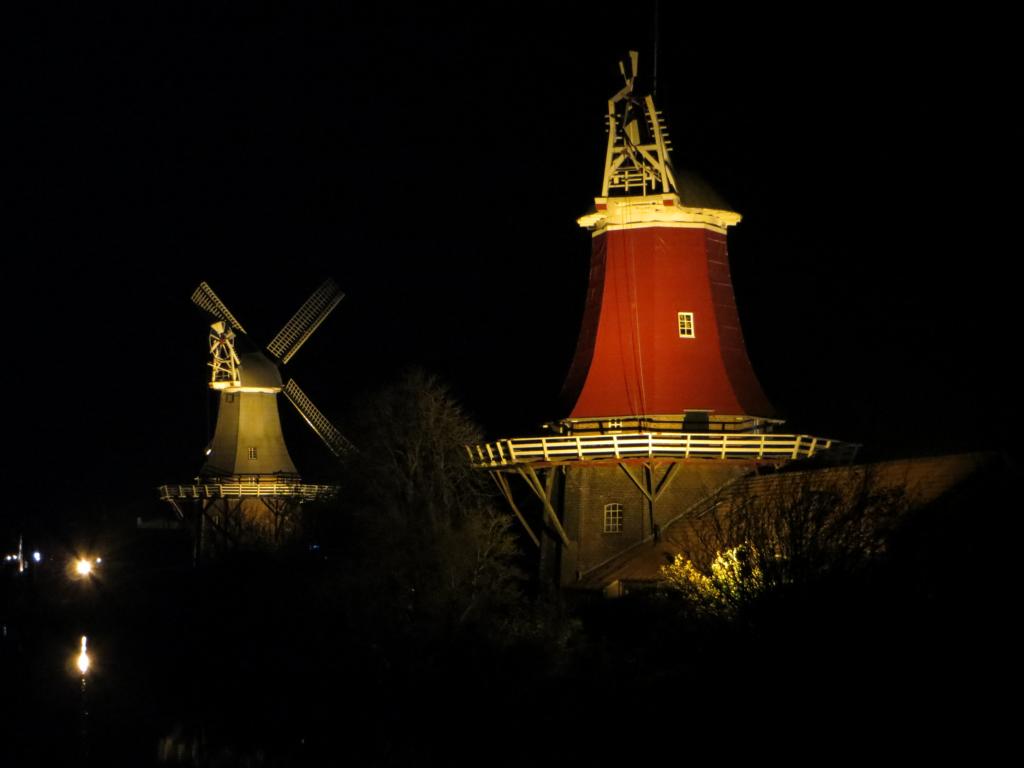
(562, 449)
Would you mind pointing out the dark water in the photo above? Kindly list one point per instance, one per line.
(50, 717)
(240, 663)
(144, 696)
(275, 661)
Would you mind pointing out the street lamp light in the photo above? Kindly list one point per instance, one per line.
(83, 658)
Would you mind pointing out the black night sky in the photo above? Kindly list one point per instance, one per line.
(433, 160)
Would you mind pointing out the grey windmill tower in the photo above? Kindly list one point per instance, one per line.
(248, 491)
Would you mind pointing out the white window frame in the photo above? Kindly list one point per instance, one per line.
(686, 326)
(613, 518)
(252, 454)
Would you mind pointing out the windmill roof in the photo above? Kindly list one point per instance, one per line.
(257, 371)
(695, 192)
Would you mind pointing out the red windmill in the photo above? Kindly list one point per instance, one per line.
(664, 407)
(661, 337)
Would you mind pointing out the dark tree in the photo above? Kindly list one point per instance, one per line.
(427, 545)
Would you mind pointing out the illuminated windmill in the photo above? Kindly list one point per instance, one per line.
(248, 490)
(664, 407)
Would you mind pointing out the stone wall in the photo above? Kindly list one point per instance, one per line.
(587, 490)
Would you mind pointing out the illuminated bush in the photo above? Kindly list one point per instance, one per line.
(784, 533)
(734, 578)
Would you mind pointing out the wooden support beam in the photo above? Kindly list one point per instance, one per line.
(648, 487)
(649, 482)
(502, 482)
(534, 482)
(178, 510)
(549, 483)
(666, 479)
(219, 526)
(640, 486)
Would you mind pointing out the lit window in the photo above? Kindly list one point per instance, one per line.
(686, 325)
(252, 453)
(613, 518)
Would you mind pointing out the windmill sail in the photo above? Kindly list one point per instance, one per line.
(305, 321)
(334, 440)
(205, 298)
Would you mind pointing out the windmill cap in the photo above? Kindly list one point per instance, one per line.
(258, 372)
(695, 202)
(695, 192)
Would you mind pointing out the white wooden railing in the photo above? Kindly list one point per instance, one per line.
(243, 489)
(702, 445)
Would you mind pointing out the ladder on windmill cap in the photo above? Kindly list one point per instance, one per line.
(337, 442)
(304, 322)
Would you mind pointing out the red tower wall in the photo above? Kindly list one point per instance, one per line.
(630, 359)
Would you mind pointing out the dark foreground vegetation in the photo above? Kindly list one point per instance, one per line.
(404, 629)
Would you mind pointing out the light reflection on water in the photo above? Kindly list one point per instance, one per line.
(122, 671)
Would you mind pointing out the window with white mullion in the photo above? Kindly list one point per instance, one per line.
(686, 330)
(613, 518)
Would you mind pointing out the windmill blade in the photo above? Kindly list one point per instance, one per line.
(305, 321)
(337, 442)
(205, 298)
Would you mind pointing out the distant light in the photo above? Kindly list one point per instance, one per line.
(9, 558)
(83, 658)
(209, 451)
(37, 556)
(83, 567)
(99, 560)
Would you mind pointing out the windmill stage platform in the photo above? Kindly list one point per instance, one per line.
(650, 456)
(646, 446)
(244, 487)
